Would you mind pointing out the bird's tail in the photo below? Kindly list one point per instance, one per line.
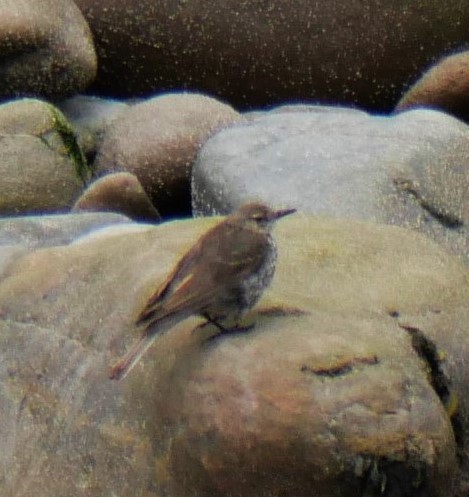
(123, 367)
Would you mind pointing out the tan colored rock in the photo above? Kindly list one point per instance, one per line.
(118, 192)
(444, 86)
(333, 392)
(157, 140)
(46, 48)
(41, 165)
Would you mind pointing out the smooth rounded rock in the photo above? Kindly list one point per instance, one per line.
(46, 49)
(337, 390)
(42, 166)
(407, 169)
(444, 86)
(90, 117)
(51, 230)
(158, 139)
(271, 51)
(118, 192)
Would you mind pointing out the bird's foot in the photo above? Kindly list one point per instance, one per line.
(237, 328)
(213, 321)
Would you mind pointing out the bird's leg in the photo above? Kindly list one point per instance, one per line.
(214, 322)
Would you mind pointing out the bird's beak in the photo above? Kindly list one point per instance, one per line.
(282, 212)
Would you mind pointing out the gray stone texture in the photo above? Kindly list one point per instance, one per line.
(409, 169)
(46, 231)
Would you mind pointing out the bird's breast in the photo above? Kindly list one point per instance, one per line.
(255, 284)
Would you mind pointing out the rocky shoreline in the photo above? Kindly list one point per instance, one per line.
(124, 127)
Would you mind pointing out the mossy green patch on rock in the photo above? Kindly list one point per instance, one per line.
(72, 149)
(42, 166)
(43, 120)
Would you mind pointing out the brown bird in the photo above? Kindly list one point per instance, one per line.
(220, 278)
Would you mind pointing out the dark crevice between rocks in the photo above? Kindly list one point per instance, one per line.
(382, 477)
(385, 478)
(428, 352)
(445, 218)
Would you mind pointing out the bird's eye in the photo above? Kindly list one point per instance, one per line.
(259, 218)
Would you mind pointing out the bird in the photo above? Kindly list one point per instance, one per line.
(219, 278)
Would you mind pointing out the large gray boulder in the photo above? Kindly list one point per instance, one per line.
(409, 170)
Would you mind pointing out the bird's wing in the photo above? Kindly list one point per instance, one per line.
(216, 263)
(226, 262)
(177, 277)
(172, 280)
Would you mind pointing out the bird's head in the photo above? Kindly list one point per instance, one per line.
(259, 216)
